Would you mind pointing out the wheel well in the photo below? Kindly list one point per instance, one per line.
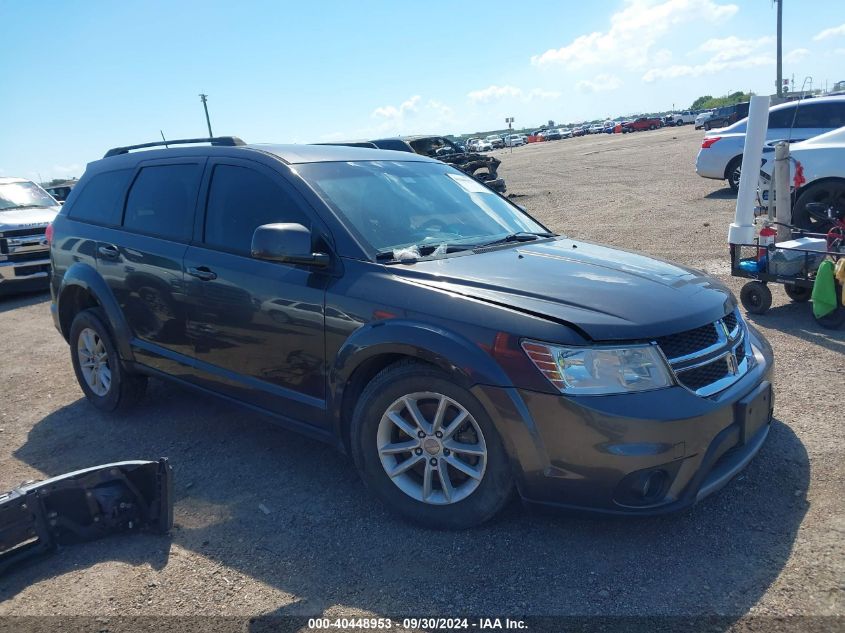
(73, 300)
(729, 166)
(797, 193)
(359, 380)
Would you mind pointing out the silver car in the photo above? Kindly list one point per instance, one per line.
(720, 156)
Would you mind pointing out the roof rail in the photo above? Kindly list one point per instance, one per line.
(227, 141)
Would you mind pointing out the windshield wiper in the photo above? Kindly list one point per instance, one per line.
(24, 206)
(520, 236)
(388, 256)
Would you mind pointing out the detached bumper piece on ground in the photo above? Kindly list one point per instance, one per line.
(84, 505)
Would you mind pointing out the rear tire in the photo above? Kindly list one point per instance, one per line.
(799, 294)
(835, 319)
(830, 193)
(756, 297)
(733, 172)
(431, 491)
(97, 365)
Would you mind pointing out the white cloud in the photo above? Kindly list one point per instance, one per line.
(633, 32)
(732, 47)
(710, 67)
(392, 112)
(726, 53)
(494, 93)
(414, 115)
(539, 93)
(796, 55)
(601, 83)
(67, 170)
(497, 93)
(835, 31)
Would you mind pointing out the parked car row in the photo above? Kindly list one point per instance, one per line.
(720, 156)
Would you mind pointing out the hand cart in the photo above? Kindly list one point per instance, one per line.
(792, 266)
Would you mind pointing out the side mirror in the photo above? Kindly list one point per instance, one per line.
(287, 243)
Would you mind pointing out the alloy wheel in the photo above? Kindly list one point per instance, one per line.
(94, 361)
(431, 448)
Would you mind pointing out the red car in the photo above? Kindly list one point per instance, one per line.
(643, 123)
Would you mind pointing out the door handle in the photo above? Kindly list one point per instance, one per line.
(109, 251)
(202, 272)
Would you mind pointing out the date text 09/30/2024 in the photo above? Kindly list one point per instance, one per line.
(387, 624)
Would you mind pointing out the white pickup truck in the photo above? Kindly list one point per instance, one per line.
(25, 211)
(681, 118)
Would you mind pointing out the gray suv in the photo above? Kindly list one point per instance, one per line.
(393, 306)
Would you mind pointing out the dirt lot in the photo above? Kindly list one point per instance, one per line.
(771, 543)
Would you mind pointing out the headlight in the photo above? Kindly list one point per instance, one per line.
(600, 370)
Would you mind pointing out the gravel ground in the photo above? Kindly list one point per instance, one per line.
(771, 543)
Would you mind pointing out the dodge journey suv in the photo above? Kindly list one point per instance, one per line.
(391, 305)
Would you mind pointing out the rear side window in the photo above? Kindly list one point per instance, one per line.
(823, 115)
(781, 118)
(161, 201)
(240, 200)
(101, 200)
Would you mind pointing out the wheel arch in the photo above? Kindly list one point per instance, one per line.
(730, 163)
(82, 287)
(376, 346)
(825, 179)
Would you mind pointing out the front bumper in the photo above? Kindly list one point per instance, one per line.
(599, 453)
(19, 272)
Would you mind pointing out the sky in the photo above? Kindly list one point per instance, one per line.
(77, 78)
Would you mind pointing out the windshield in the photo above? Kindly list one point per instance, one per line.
(16, 195)
(394, 204)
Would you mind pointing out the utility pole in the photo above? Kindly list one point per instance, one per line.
(203, 98)
(780, 48)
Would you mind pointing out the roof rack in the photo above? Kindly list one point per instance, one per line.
(226, 141)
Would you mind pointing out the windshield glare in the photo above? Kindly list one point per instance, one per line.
(392, 204)
(23, 194)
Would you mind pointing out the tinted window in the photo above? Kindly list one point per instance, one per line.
(101, 200)
(239, 201)
(161, 201)
(394, 144)
(825, 115)
(781, 118)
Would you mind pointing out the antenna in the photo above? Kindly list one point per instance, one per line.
(204, 99)
(163, 139)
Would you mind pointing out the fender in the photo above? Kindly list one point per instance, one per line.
(458, 356)
(85, 276)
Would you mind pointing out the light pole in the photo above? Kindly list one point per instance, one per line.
(204, 98)
(780, 49)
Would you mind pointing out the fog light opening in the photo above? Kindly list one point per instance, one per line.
(652, 484)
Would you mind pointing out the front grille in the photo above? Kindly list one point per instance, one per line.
(24, 271)
(28, 256)
(709, 358)
(730, 321)
(33, 230)
(700, 377)
(689, 342)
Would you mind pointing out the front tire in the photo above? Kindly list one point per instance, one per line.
(104, 381)
(756, 297)
(428, 449)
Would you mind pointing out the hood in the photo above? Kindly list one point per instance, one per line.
(606, 293)
(13, 219)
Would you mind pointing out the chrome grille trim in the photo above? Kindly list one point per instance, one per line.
(729, 342)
